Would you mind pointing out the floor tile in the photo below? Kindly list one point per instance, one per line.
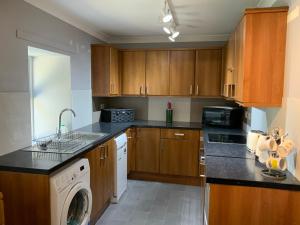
(153, 203)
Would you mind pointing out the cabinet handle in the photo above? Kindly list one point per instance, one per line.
(179, 134)
(141, 90)
(197, 90)
(146, 90)
(129, 137)
(102, 156)
(202, 175)
(191, 89)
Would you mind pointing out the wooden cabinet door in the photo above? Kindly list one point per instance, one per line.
(208, 72)
(240, 38)
(230, 61)
(147, 150)
(105, 70)
(179, 157)
(157, 73)
(114, 72)
(130, 150)
(133, 72)
(100, 70)
(1, 209)
(182, 72)
(95, 158)
(108, 170)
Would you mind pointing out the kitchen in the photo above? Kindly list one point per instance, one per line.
(178, 171)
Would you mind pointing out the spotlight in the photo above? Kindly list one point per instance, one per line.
(171, 39)
(167, 17)
(175, 34)
(167, 30)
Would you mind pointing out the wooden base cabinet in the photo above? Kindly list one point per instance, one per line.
(131, 143)
(170, 155)
(179, 152)
(2, 220)
(236, 205)
(27, 198)
(101, 161)
(179, 157)
(147, 150)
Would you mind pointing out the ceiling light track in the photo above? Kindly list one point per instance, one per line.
(169, 22)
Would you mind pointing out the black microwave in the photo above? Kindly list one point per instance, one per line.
(223, 116)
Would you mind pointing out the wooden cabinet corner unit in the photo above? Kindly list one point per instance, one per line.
(105, 71)
(256, 58)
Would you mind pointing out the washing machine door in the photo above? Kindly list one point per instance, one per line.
(78, 206)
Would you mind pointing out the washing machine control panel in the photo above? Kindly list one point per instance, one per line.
(65, 179)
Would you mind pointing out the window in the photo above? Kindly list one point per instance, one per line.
(50, 89)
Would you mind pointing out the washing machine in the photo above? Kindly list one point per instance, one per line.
(71, 196)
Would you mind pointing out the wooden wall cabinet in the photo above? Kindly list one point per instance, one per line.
(101, 161)
(260, 57)
(182, 72)
(147, 150)
(230, 69)
(105, 71)
(157, 72)
(208, 72)
(133, 72)
(233, 205)
(179, 152)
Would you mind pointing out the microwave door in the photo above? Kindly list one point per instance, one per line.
(215, 117)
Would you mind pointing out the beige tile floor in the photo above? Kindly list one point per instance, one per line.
(152, 203)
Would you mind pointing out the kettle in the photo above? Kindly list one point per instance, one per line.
(252, 139)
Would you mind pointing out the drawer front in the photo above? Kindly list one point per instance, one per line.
(180, 134)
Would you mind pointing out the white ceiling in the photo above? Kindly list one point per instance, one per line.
(139, 20)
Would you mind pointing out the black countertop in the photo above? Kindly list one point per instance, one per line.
(233, 164)
(225, 163)
(47, 163)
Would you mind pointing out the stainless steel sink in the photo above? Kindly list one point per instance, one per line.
(68, 143)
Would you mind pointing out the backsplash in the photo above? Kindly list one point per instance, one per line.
(153, 108)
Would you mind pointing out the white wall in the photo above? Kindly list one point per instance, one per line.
(288, 116)
(157, 108)
(45, 32)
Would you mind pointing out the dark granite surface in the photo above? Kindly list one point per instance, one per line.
(46, 163)
(233, 164)
(239, 171)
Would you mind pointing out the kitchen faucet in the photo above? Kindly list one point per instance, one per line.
(59, 121)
